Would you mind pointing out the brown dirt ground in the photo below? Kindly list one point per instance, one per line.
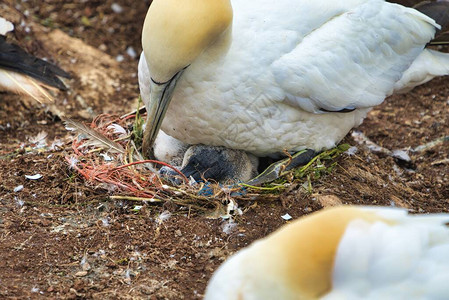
(62, 239)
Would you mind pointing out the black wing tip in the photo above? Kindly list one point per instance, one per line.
(50, 74)
(57, 70)
(57, 83)
(14, 58)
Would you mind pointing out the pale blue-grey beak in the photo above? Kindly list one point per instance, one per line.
(160, 97)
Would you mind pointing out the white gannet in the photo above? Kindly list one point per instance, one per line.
(342, 253)
(264, 77)
(25, 74)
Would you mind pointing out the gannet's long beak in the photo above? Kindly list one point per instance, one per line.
(160, 97)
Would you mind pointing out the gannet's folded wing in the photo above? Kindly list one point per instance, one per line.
(355, 59)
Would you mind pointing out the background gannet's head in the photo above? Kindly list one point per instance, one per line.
(175, 33)
(346, 252)
(294, 262)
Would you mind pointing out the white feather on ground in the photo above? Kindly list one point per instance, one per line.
(5, 26)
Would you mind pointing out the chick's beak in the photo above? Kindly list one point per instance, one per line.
(160, 97)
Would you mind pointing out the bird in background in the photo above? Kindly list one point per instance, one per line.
(22, 73)
(264, 77)
(347, 252)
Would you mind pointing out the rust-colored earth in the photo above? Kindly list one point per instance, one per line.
(60, 238)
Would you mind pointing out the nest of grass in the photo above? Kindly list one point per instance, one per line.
(106, 155)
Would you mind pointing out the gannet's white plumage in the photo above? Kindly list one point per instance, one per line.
(342, 253)
(267, 81)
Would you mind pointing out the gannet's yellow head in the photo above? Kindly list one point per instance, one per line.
(175, 33)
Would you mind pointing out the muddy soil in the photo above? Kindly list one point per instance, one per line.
(61, 238)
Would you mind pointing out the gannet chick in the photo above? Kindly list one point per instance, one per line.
(203, 162)
(267, 77)
(342, 253)
(221, 164)
(25, 74)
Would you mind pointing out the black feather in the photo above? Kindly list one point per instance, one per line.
(14, 58)
(343, 110)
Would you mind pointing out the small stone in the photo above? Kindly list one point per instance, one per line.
(81, 274)
(44, 222)
(86, 267)
(329, 200)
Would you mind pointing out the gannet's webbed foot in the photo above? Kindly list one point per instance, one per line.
(277, 169)
(217, 164)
